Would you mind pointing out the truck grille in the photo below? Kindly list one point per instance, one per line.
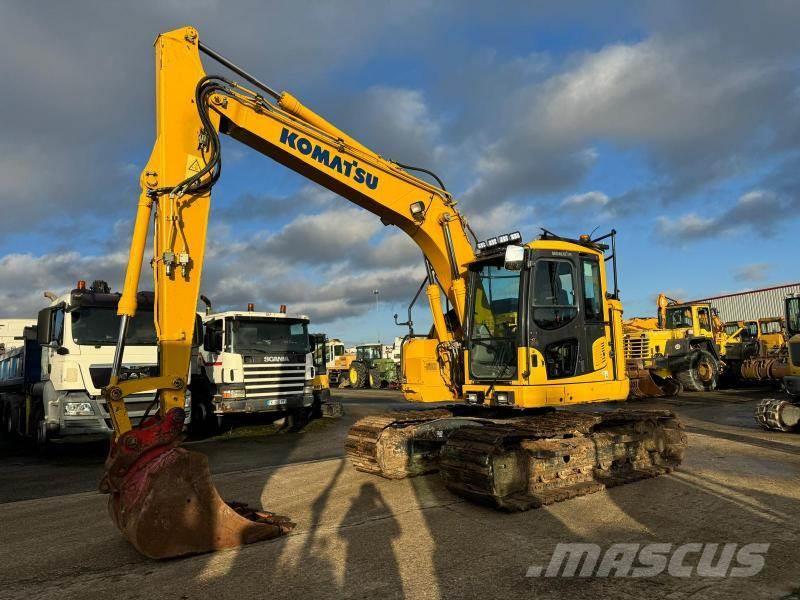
(636, 347)
(101, 374)
(274, 380)
(136, 404)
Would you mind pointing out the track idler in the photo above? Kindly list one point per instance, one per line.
(163, 501)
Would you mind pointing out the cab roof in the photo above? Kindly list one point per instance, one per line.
(254, 315)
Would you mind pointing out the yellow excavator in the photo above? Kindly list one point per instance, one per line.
(518, 330)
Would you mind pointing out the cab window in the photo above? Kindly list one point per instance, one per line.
(592, 292)
(704, 319)
(554, 302)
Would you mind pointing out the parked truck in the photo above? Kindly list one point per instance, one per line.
(252, 362)
(12, 332)
(50, 385)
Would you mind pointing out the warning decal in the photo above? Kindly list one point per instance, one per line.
(193, 165)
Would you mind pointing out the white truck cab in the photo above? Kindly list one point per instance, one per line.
(76, 337)
(253, 362)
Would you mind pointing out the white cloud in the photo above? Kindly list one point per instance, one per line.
(586, 201)
(759, 211)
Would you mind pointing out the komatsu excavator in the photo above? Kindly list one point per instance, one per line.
(518, 330)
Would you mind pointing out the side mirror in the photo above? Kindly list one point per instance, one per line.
(43, 327)
(197, 337)
(515, 257)
(62, 350)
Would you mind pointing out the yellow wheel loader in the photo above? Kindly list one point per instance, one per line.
(519, 329)
(678, 351)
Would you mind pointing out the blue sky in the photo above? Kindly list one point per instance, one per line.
(677, 124)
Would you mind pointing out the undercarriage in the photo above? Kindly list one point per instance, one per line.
(519, 460)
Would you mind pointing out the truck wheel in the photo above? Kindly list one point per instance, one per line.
(41, 442)
(702, 373)
(358, 375)
(204, 422)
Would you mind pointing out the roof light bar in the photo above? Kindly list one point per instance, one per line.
(515, 237)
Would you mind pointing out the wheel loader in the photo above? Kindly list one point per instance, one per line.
(521, 331)
(680, 350)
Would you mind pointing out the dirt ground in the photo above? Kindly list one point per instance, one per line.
(360, 536)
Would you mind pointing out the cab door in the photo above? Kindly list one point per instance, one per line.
(565, 323)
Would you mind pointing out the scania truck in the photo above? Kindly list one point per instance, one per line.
(50, 384)
(252, 362)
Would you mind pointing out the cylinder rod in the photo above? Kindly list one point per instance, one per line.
(238, 70)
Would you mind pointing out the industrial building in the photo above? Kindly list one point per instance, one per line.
(752, 304)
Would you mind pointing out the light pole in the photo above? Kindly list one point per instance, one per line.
(377, 293)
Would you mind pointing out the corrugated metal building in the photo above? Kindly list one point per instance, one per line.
(752, 304)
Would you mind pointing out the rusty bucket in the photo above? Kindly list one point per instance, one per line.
(163, 501)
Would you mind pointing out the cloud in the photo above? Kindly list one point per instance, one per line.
(758, 211)
(394, 122)
(586, 201)
(752, 273)
(503, 218)
(266, 208)
(82, 92)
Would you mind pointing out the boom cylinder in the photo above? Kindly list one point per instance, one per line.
(435, 300)
(127, 303)
(294, 107)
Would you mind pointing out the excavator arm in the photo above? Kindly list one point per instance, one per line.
(185, 163)
(192, 109)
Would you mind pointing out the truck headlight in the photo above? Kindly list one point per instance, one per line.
(232, 393)
(78, 409)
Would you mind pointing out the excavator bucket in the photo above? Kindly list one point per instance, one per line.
(163, 501)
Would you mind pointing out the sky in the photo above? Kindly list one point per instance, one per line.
(677, 124)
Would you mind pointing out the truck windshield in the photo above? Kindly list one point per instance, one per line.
(493, 322)
(268, 336)
(99, 326)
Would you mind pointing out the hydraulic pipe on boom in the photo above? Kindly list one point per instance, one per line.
(161, 495)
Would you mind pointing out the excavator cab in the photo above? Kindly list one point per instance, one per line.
(536, 325)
